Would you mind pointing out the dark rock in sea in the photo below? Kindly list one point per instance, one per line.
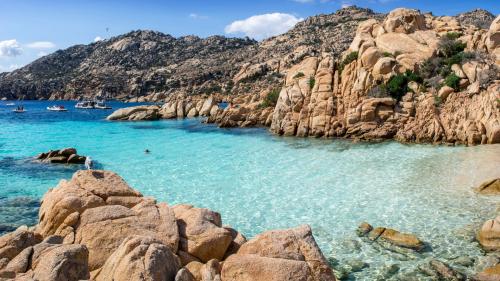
(17, 211)
(62, 156)
(441, 271)
(390, 236)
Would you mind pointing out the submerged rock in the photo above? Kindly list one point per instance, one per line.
(491, 187)
(391, 236)
(489, 274)
(62, 156)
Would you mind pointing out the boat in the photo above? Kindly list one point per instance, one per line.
(56, 108)
(85, 105)
(19, 110)
(92, 105)
(102, 105)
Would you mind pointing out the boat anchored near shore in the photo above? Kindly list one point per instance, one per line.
(57, 108)
(92, 105)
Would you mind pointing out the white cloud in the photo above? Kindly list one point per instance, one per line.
(41, 45)
(98, 38)
(197, 16)
(10, 48)
(263, 26)
(9, 68)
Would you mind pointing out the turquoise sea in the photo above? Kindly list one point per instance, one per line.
(258, 181)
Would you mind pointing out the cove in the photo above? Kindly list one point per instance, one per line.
(258, 181)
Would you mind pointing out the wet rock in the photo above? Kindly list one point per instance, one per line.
(465, 261)
(394, 237)
(363, 229)
(489, 274)
(62, 156)
(357, 265)
(491, 187)
(489, 235)
(445, 272)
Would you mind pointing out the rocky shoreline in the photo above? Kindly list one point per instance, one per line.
(96, 227)
(397, 80)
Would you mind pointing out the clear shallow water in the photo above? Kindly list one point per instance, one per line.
(259, 182)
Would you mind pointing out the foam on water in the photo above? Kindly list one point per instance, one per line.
(259, 182)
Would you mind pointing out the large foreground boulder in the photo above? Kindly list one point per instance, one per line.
(290, 254)
(98, 209)
(136, 113)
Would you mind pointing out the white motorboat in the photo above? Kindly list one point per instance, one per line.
(92, 105)
(57, 108)
(102, 105)
(85, 105)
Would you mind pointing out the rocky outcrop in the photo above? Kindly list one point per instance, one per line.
(96, 227)
(136, 113)
(491, 187)
(489, 235)
(391, 236)
(325, 97)
(62, 156)
(279, 255)
(489, 274)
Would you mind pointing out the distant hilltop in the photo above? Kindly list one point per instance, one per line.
(149, 65)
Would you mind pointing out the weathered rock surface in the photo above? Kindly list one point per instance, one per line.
(491, 187)
(136, 113)
(489, 235)
(394, 237)
(489, 274)
(96, 227)
(62, 156)
(201, 233)
(98, 209)
(140, 258)
(279, 255)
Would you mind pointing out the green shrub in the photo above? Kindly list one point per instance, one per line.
(347, 60)
(299, 75)
(448, 46)
(453, 81)
(312, 81)
(397, 86)
(271, 99)
(387, 54)
(453, 35)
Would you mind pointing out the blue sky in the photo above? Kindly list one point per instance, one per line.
(30, 29)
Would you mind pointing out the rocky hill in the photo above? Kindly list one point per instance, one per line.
(129, 65)
(478, 17)
(153, 64)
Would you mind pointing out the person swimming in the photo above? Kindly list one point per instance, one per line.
(147, 151)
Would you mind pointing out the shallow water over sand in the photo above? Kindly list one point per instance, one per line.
(258, 181)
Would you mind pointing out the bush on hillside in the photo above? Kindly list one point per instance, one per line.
(347, 60)
(271, 99)
(452, 81)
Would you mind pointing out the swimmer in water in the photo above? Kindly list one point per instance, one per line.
(147, 151)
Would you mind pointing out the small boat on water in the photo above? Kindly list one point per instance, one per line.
(57, 108)
(92, 105)
(19, 109)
